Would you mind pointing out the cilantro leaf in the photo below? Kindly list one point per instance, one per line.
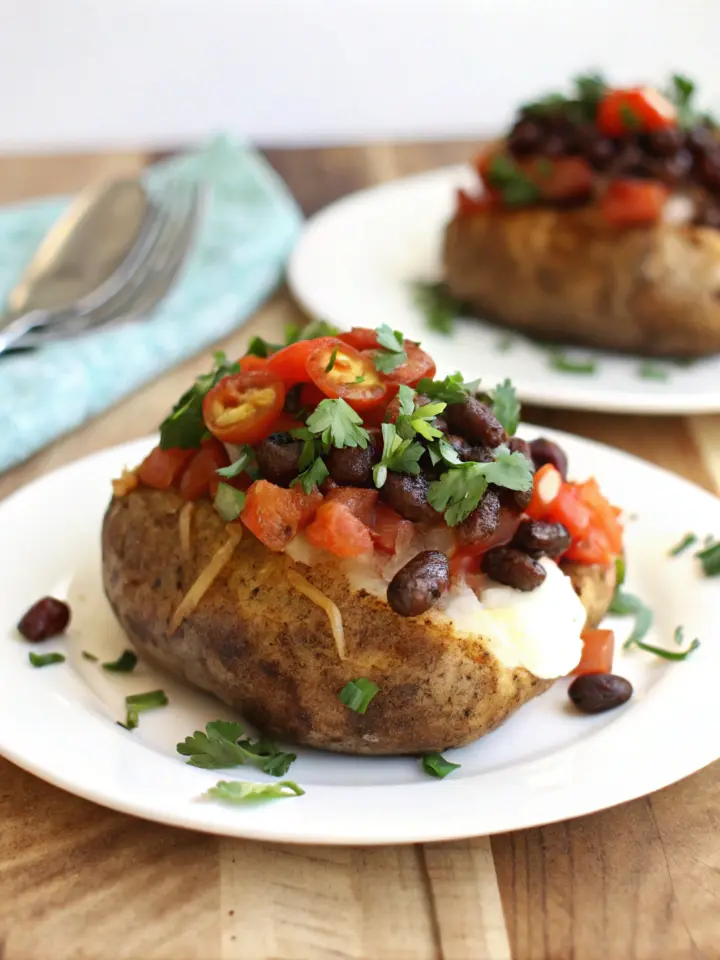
(515, 186)
(413, 420)
(316, 328)
(438, 306)
(400, 456)
(687, 541)
(357, 694)
(460, 489)
(221, 746)
(310, 445)
(441, 450)
(185, 426)
(506, 406)
(244, 791)
(244, 463)
(450, 390)
(394, 352)
(406, 398)
(229, 502)
(138, 703)
(258, 347)
(125, 663)
(312, 477)
(45, 659)
(435, 765)
(338, 425)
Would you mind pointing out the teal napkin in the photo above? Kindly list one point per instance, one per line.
(250, 225)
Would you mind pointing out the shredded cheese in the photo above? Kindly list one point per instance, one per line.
(326, 604)
(206, 579)
(125, 483)
(185, 520)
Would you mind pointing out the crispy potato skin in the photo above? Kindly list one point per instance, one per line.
(595, 585)
(267, 650)
(565, 274)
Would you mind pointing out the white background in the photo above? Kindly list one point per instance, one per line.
(165, 72)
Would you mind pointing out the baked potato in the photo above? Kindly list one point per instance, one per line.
(598, 225)
(267, 650)
(280, 562)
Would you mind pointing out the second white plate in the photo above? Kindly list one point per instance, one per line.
(355, 264)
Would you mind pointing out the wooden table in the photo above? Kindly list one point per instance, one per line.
(639, 881)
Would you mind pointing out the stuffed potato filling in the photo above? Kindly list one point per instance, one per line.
(344, 447)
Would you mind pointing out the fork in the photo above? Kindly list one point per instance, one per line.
(139, 283)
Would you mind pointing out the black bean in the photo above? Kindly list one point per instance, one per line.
(555, 146)
(601, 153)
(482, 522)
(476, 422)
(547, 451)
(460, 445)
(701, 140)
(665, 143)
(518, 445)
(513, 568)
(675, 168)
(419, 584)
(709, 169)
(708, 216)
(408, 495)
(46, 618)
(351, 466)
(539, 538)
(278, 457)
(597, 692)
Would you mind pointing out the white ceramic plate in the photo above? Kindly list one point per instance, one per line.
(355, 264)
(546, 763)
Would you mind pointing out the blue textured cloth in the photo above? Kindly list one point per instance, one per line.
(250, 225)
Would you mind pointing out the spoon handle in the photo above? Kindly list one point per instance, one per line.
(19, 326)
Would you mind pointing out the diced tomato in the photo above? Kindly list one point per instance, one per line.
(310, 396)
(200, 476)
(628, 202)
(598, 651)
(362, 338)
(568, 509)
(592, 547)
(547, 484)
(275, 515)
(289, 364)
(391, 532)
(161, 468)
(469, 206)
(604, 514)
(242, 407)
(251, 362)
(337, 530)
(419, 364)
(561, 178)
(640, 110)
(359, 501)
(339, 370)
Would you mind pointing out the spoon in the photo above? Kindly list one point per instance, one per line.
(82, 249)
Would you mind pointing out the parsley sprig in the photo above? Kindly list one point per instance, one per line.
(452, 389)
(414, 420)
(506, 406)
(393, 353)
(400, 456)
(435, 765)
(516, 188)
(222, 746)
(338, 425)
(312, 477)
(461, 488)
(185, 426)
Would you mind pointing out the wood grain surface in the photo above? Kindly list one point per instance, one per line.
(78, 882)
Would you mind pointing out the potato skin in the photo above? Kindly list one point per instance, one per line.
(595, 585)
(565, 274)
(267, 651)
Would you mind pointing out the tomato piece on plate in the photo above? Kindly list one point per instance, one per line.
(391, 532)
(359, 501)
(463, 562)
(562, 178)
(469, 206)
(640, 110)
(418, 365)
(362, 338)
(275, 514)
(307, 504)
(251, 362)
(547, 484)
(200, 476)
(605, 516)
(628, 202)
(242, 407)
(568, 509)
(598, 652)
(161, 468)
(593, 547)
(339, 370)
(289, 364)
(337, 530)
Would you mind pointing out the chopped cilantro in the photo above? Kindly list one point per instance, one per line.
(316, 328)
(245, 463)
(687, 541)
(86, 655)
(138, 703)
(450, 390)
(310, 446)
(357, 694)
(506, 406)
(220, 746)
(338, 425)
(709, 557)
(261, 348)
(393, 354)
(651, 371)
(661, 651)
(413, 420)
(400, 456)
(229, 502)
(312, 477)
(45, 659)
(435, 765)
(125, 663)
(559, 361)
(185, 426)
(245, 791)
(515, 186)
(460, 489)
(331, 361)
(442, 451)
